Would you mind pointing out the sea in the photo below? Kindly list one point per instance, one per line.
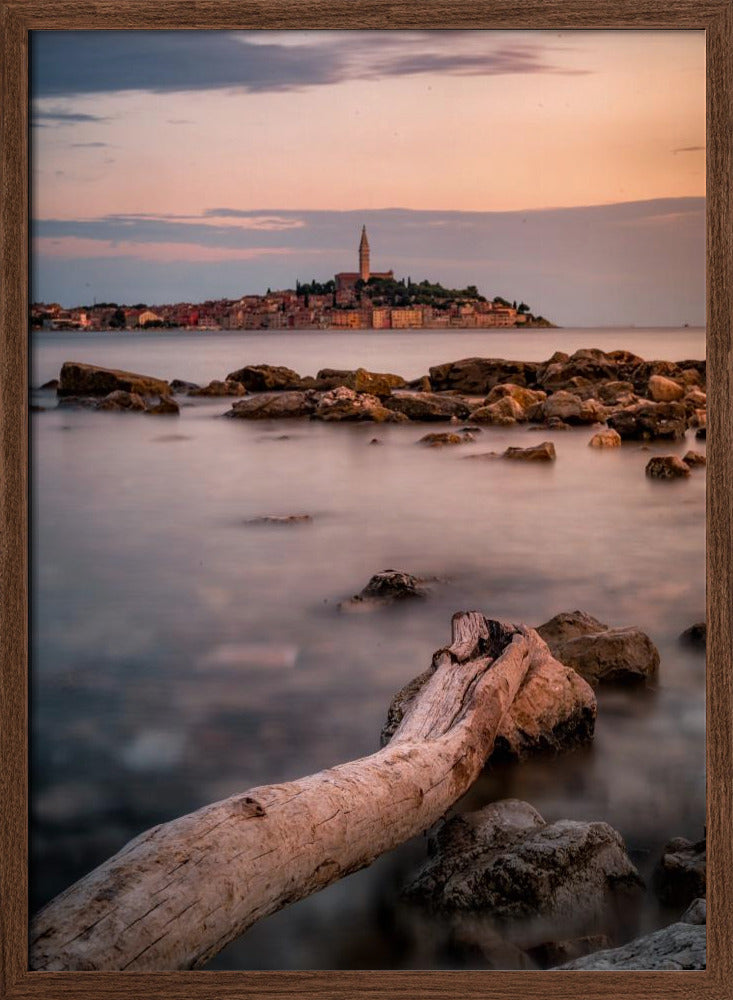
(181, 653)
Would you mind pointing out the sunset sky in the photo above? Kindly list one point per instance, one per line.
(567, 169)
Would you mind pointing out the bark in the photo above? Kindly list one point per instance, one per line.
(177, 894)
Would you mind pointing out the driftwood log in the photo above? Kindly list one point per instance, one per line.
(177, 894)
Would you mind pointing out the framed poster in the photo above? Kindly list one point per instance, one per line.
(366, 599)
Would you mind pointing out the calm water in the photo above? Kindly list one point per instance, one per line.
(180, 654)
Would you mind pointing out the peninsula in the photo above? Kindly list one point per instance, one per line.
(351, 300)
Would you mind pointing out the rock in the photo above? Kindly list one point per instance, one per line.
(696, 635)
(601, 654)
(681, 875)
(554, 710)
(376, 383)
(503, 412)
(696, 912)
(696, 398)
(525, 397)
(478, 376)
(693, 458)
(439, 439)
(569, 625)
(667, 467)
(120, 400)
(421, 384)
(614, 656)
(648, 421)
(89, 380)
(701, 433)
(179, 385)
(53, 383)
(664, 390)
(590, 364)
(614, 392)
(388, 587)
(675, 948)
(273, 405)
(261, 378)
(280, 519)
(375, 441)
(167, 406)
(77, 403)
(571, 409)
(605, 439)
(544, 452)
(529, 876)
(698, 418)
(428, 406)
(347, 404)
(216, 388)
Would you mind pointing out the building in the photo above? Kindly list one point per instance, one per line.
(346, 280)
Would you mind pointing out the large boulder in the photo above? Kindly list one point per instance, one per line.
(677, 948)
(616, 392)
(681, 875)
(590, 364)
(601, 654)
(78, 379)
(273, 405)
(554, 710)
(606, 439)
(347, 404)
(428, 406)
(506, 862)
(477, 376)
(649, 421)
(664, 390)
(263, 378)
(525, 397)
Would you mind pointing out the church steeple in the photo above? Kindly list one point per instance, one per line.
(364, 255)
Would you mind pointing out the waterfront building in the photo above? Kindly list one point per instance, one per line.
(346, 280)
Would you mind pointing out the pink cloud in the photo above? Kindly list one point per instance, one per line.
(79, 247)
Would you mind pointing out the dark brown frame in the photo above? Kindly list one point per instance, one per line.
(18, 18)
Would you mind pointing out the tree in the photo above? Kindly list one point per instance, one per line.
(118, 319)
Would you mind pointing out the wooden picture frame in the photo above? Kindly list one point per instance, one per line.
(18, 19)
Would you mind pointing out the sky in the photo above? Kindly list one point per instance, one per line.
(566, 169)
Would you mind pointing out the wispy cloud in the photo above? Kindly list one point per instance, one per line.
(89, 145)
(70, 63)
(689, 149)
(51, 119)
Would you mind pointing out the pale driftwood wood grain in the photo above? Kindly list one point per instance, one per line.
(15, 981)
(177, 894)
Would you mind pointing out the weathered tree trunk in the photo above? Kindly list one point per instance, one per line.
(177, 894)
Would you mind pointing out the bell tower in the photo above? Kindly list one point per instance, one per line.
(364, 255)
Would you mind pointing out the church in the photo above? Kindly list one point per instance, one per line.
(346, 280)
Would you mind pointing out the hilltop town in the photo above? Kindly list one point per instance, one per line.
(352, 300)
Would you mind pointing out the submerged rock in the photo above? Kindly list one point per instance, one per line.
(598, 653)
(441, 438)
(693, 458)
(667, 467)
(681, 875)
(544, 452)
(529, 876)
(675, 948)
(90, 380)
(53, 383)
(273, 405)
(280, 519)
(696, 635)
(387, 587)
(179, 385)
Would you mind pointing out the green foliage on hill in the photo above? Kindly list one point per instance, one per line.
(393, 292)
